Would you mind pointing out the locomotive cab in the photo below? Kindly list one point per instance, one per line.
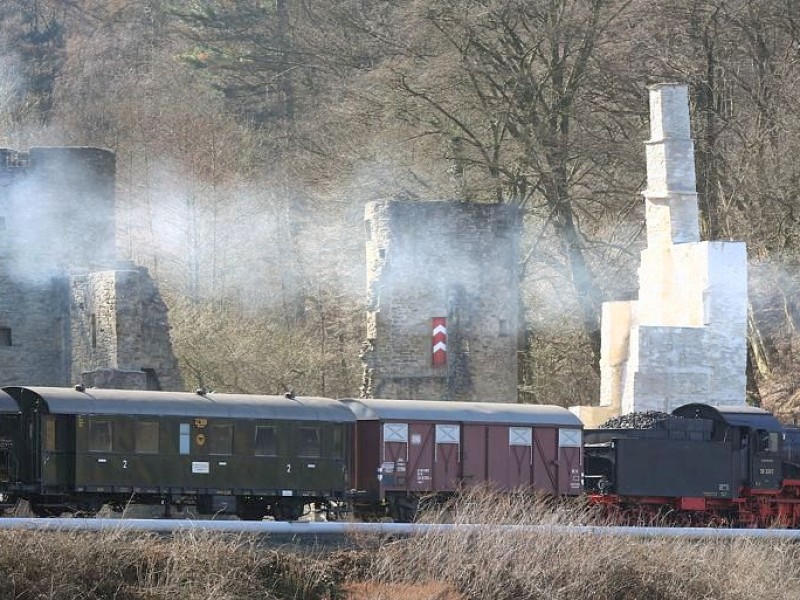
(790, 452)
(755, 433)
(765, 460)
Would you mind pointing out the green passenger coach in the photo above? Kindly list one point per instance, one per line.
(253, 456)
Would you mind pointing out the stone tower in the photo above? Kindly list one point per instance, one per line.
(67, 312)
(442, 301)
(684, 340)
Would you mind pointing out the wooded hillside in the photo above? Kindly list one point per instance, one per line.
(250, 133)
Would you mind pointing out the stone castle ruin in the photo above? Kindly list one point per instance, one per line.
(442, 301)
(684, 340)
(69, 311)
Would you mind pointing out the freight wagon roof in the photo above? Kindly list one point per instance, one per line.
(184, 404)
(735, 416)
(462, 412)
(7, 404)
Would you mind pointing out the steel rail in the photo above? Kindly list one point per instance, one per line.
(301, 528)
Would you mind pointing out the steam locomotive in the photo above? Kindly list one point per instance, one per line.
(736, 466)
(76, 450)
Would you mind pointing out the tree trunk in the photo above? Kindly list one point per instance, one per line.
(758, 349)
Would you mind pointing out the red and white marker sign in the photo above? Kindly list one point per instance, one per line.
(439, 325)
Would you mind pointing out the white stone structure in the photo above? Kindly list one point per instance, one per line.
(684, 340)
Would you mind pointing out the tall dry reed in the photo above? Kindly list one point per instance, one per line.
(489, 563)
(67, 566)
(468, 565)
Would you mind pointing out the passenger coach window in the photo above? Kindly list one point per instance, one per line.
(266, 441)
(220, 439)
(100, 436)
(50, 433)
(338, 442)
(184, 438)
(146, 434)
(310, 442)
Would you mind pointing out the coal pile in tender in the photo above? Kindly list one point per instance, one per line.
(651, 419)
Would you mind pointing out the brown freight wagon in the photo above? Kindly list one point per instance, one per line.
(407, 449)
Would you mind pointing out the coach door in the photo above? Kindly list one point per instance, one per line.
(394, 459)
(30, 469)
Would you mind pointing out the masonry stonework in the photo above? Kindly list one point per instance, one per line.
(684, 340)
(455, 261)
(120, 331)
(69, 313)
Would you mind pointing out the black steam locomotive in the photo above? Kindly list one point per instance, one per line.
(701, 465)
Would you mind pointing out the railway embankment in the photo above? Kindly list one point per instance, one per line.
(438, 565)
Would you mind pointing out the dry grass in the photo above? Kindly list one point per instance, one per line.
(489, 564)
(56, 565)
(436, 566)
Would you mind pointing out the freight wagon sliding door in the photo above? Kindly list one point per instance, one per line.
(545, 459)
(394, 459)
(420, 457)
(447, 458)
(473, 454)
(498, 454)
(520, 456)
(570, 466)
(488, 457)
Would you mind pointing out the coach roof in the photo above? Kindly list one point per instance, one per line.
(7, 404)
(183, 404)
(461, 412)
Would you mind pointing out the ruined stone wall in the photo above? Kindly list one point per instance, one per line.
(34, 332)
(64, 309)
(49, 218)
(155, 346)
(429, 260)
(60, 208)
(684, 339)
(93, 322)
(119, 322)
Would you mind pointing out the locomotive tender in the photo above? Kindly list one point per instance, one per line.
(75, 450)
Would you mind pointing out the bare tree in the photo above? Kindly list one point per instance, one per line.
(507, 90)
